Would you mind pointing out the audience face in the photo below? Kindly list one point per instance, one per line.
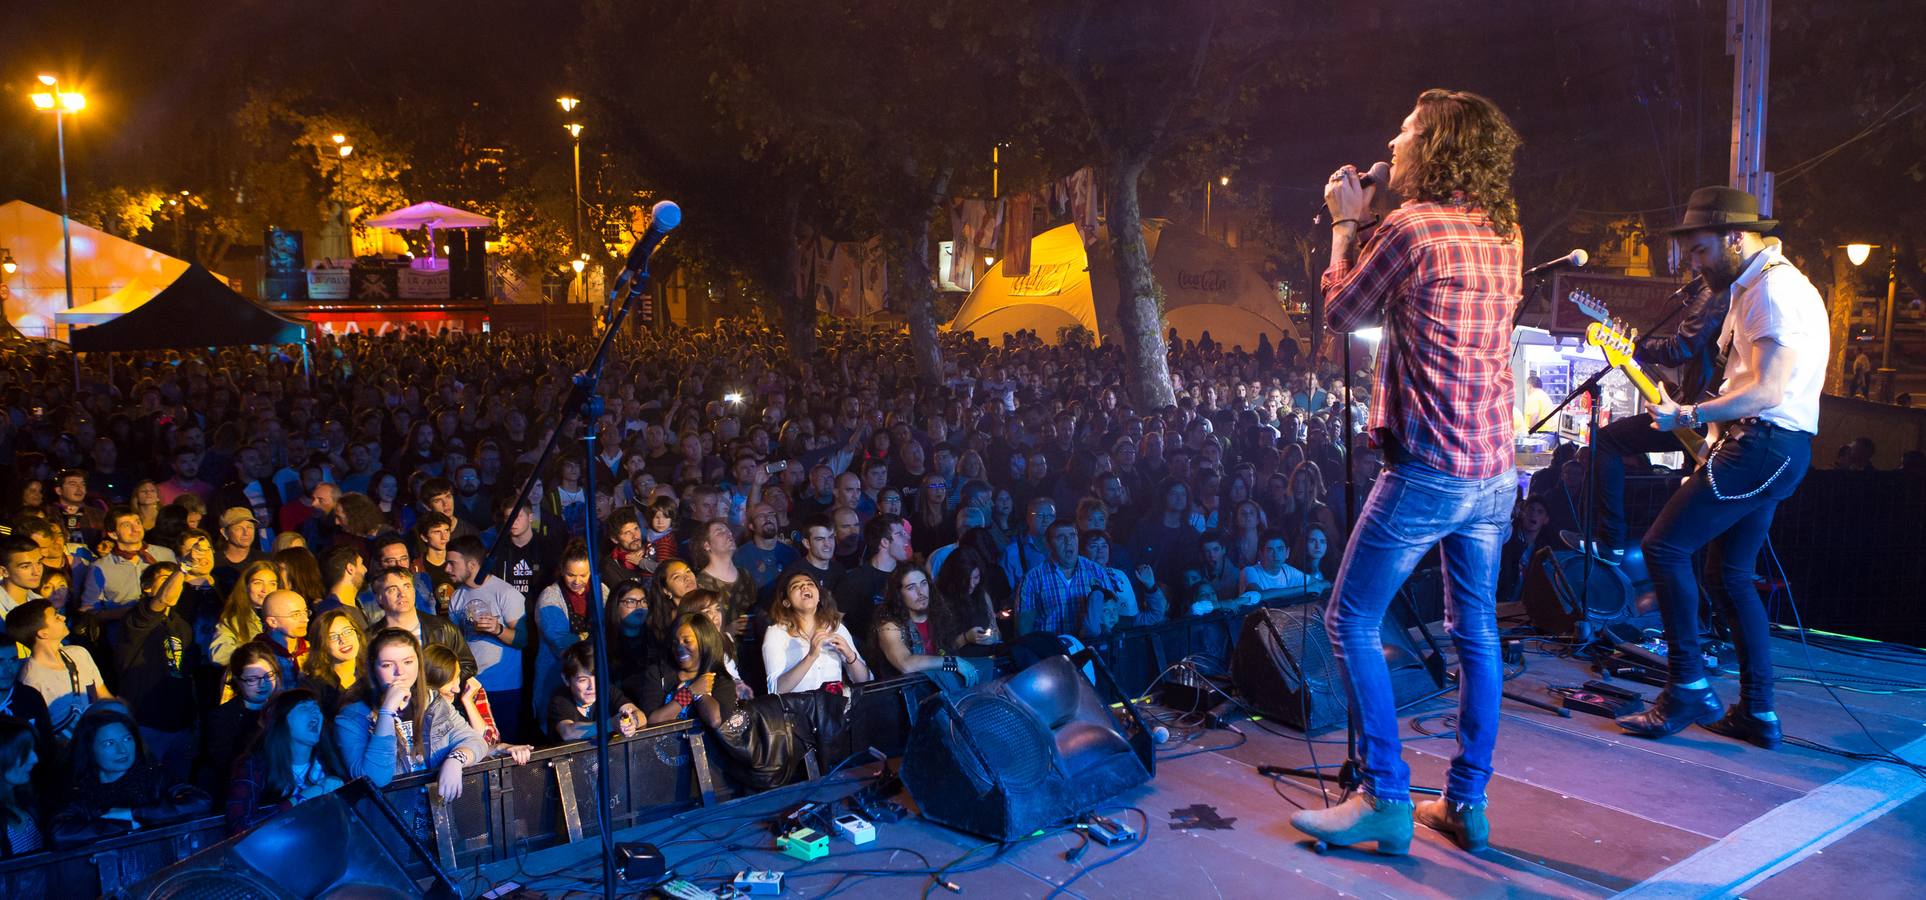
(688, 649)
(24, 569)
(819, 543)
(397, 663)
(115, 751)
(342, 644)
(916, 592)
(305, 722)
(394, 556)
(1316, 544)
(1274, 554)
(396, 595)
(128, 533)
(677, 577)
(260, 585)
(1063, 546)
(575, 576)
(287, 613)
(258, 682)
(849, 529)
(581, 687)
(803, 596)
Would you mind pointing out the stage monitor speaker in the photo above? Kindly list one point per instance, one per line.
(1024, 752)
(349, 843)
(1553, 579)
(1283, 667)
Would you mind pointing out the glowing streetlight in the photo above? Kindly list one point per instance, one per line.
(6, 261)
(1222, 181)
(60, 103)
(1859, 253)
(575, 133)
(568, 104)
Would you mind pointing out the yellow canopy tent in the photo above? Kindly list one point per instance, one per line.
(1206, 285)
(105, 268)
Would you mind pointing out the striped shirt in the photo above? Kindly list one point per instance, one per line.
(1444, 285)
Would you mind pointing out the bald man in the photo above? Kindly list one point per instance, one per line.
(285, 615)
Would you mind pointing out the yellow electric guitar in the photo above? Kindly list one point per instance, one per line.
(1618, 343)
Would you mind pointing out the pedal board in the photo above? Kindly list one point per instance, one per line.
(1610, 706)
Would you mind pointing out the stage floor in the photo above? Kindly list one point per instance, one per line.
(1578, 809)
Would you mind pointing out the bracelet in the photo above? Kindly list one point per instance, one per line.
(949, 663)
(1342, 221)
(1688, 416)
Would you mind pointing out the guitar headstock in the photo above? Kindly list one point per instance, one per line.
(1610, 337)
(1590, 306)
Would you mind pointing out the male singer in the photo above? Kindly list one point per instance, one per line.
(1776, 341)
(1442, 273)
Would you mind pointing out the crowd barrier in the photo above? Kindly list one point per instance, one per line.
(504, 809)
(1848, 541)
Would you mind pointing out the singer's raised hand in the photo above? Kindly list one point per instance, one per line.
(1345, 197)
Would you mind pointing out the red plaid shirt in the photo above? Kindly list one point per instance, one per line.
(1444, 285)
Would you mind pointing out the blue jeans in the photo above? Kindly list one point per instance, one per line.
(1727, 505)
(1413, 507)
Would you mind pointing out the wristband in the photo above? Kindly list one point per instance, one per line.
(1342, 221)
(949, 663)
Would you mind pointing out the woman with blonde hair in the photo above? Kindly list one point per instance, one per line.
(240, 619)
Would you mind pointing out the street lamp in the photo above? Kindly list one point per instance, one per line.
(6, 261)
(1857, 254)
(1222, 181)
(575, 132)
(60, 103)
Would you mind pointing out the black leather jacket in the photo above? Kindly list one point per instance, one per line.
(1693, 347)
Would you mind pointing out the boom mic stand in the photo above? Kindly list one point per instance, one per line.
(585, 400)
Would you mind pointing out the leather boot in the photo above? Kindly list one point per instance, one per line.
(1673, 712)
(1358, 820)
(1466, 825)
(1743, 725)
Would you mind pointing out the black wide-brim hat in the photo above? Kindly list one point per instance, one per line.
(1722, 209)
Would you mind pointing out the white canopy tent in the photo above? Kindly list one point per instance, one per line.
(430, 216)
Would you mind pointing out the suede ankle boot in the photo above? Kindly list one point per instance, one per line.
(1465, 824)
(1358, 820)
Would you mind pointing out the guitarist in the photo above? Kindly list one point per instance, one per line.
(1776, 342)
(1693, 350)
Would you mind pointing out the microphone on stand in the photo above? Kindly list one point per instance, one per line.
(663, 218)
(1575, 259)
(1377, 176)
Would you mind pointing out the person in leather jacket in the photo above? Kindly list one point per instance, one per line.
(1692, 350)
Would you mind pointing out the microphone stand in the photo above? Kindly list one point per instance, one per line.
(1590, 387)
(1350, 775)
(585, 400)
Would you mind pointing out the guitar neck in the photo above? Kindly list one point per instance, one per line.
(1646, 388)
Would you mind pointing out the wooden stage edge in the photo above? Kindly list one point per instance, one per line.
(1578, 810)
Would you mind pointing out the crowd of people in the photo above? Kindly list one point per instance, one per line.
(231, 582)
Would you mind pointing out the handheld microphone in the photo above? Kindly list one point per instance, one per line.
(1378, 175)
(1575, 259)
(663, 218)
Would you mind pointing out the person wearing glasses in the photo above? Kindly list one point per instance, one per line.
(254, 674)
(335, 666)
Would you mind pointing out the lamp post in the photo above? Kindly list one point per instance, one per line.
(342, 150)
(578, 264)
(1882, 387)
(1222, 181)
(568, 104)
(60, 103)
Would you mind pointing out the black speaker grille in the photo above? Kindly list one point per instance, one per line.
(1010, 737)
(215, 884)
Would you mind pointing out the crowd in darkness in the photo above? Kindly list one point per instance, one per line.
(232, 582)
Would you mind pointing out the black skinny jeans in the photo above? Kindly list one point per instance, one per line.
(1727, 505)
(1616, 441)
